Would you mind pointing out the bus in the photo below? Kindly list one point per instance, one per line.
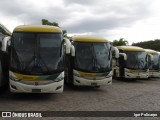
(4, 32)
(132, 63)
(154, 69)
(90, 61)
(36, 59)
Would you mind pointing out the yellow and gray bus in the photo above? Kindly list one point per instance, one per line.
(4, 32)
(154, 69)
(90, 62)
(36, 56)
(132, 63)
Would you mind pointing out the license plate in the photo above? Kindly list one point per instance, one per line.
(93, 84)
(36, 90)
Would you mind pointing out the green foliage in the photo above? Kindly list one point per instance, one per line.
(120, 42)
(64, 33)
(151, 44)
(46, 22)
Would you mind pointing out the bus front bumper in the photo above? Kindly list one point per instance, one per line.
(136, 75)
(79, 81)
(55, 87)
(154, 74)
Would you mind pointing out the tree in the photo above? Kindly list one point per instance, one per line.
(151, 44)
(64, 33)
(120, 42)
(46, 22)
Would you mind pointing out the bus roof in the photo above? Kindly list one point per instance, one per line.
(130, 48)
(37, 28)
(151, 51)
(85, 38)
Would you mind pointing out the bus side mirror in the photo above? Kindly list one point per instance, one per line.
(68, 46)
(5, 44)
(116, 51)
(72, 51)
(151, 57)
(124, 55)
(149, 60)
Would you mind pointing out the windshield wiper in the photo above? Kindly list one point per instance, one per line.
(16, 58)
(29, 63)
(97, 65)
(37, 63)
(138, 65)
(41, 59)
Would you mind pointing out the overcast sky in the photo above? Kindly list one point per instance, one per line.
(133, 20)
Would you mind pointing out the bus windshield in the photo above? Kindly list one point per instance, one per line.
(93, 57)
(155, 65)
(137, 60)
(36, 53)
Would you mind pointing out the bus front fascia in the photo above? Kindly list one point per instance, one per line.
(129, 73)
(153, 73)
(28, 86)
(80, 80)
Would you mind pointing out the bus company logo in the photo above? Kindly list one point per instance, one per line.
(36, 84)
(6, 114)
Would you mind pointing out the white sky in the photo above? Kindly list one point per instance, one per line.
(133, 20)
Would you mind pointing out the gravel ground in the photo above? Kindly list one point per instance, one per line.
(140, 95)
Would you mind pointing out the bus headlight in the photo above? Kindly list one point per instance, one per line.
(110, 74)
(58, 79)
(77, 75)
(127, 70)
(14, 78)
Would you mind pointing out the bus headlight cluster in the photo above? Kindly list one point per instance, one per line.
(127, 70)
(58, 79)
(77, 75)
(14, 78)
(109, 74)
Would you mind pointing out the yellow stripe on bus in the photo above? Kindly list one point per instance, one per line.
(87, 74)
(25, 77)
